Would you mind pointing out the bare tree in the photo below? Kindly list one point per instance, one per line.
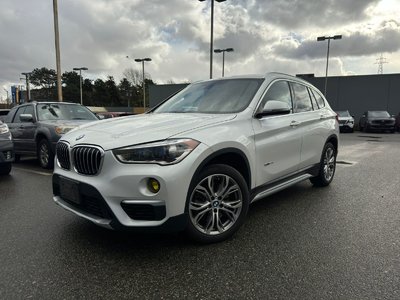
(135, 76)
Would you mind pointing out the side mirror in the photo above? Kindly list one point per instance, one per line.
(100, 117)
(353, 116)
(26, 118)
(274, 107)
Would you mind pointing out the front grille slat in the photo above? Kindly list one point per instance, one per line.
(62, 152)
(87, 159)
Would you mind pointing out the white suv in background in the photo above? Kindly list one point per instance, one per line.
(197, 161)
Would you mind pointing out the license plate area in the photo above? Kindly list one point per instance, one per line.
(69, 190)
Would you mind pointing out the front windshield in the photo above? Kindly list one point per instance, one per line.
(220, 96)
(57, 111)
(344, 113)
(378, 114)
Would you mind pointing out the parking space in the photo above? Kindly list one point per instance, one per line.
(339, 242)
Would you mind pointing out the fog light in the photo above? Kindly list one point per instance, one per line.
(153, 185)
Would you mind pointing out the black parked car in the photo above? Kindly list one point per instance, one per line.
(377, 121)
(6, 149)
(37, 126)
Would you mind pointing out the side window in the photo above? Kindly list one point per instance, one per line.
(10, 115)
(29, 110)
(302, 101)
(320, 100)
(313, 100)
(278, 91)
(20, 111)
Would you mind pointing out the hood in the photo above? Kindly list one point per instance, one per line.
(120, 132)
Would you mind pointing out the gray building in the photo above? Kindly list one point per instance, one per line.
(361, 93)
(356, 94)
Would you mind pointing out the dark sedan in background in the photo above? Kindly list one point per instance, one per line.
(37, 126)
(6, 149)
(377, 121)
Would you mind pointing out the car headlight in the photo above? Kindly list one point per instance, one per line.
(63, 129)
(4, 128)
(164, 153)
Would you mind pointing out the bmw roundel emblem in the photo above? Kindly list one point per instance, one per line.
(80, 137)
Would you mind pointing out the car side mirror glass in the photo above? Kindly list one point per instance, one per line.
(274, 107)
(26, 118)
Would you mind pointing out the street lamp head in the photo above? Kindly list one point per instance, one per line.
(321, 38)
(26, 73)
(147, 59)
(337, 37)
(217, 50)
(220, 0)
(138, 60)
(229, 49)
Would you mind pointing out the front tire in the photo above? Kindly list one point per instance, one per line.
(45, 154)
(217, 204)
(327, 167)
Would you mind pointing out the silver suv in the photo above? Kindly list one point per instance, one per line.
(198, 160)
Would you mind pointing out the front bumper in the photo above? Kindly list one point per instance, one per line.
(118, 196)
(6, 151)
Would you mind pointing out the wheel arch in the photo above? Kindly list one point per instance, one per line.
(232, 157)
(333, 139)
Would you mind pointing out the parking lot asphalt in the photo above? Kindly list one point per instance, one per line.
(339, 242)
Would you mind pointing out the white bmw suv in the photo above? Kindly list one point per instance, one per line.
(197, 160)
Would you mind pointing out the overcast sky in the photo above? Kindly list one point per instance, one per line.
(267, 35)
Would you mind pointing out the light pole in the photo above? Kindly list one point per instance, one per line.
(329, 38)
(142, 60)
(57, 44)
(223, 57)
(28, 90)
(212, 34)
(80, 79)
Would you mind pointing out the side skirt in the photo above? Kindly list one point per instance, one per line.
(282, 183)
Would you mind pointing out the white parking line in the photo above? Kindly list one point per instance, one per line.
(33, 171)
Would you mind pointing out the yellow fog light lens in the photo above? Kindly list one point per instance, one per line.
(153, 185)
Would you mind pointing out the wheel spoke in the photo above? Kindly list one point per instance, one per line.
(211, 223)
(199, 206)
(201, 214)
(229, 191)
(230, 214)
(232, 204)
(202, 190)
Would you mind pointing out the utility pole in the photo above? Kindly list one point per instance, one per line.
(28, 90)
(57, 44)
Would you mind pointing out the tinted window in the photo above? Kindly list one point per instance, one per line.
(378, 114)
(51, 111)
(29, 110)
(20, 111)
(302, 101)
(278, 91)
(313, 100)
(10, 115)
(220, 96)
(320, 100)
(343, 113)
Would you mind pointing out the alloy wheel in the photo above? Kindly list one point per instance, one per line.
(329, 164)
(215, 204)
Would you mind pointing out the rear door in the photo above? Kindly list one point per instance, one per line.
(313, 129)
(277, 138)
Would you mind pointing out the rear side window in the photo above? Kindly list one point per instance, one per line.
(318, 97)
(10, 115)
(313, 100)
(278, 91)
(302, 101)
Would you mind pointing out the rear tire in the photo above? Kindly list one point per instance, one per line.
(5, 169)
(327, 167)
(217, 204)
(45, 154)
